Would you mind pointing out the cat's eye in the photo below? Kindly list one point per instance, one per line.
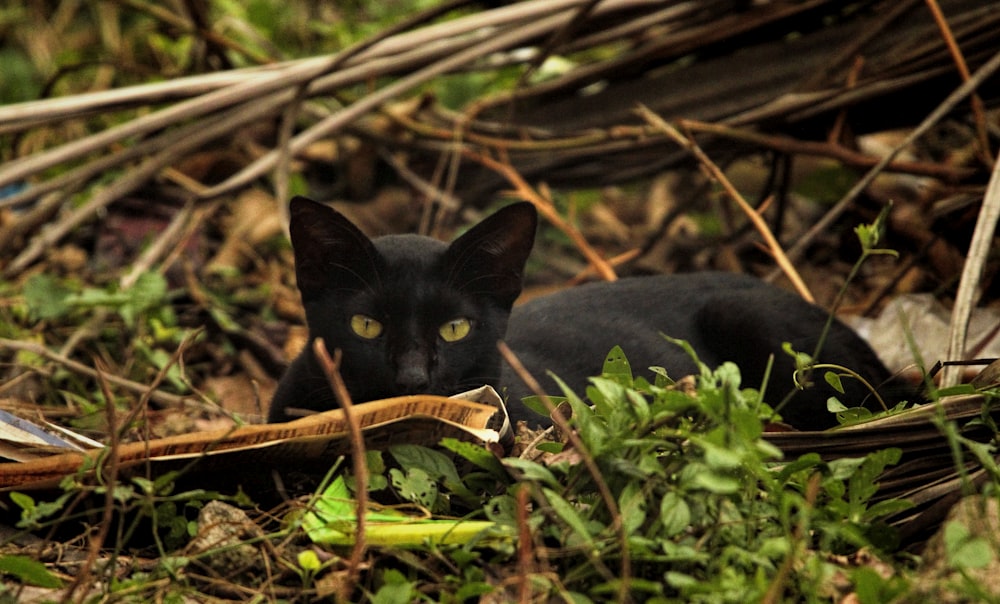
(455, 330)
(366, 327)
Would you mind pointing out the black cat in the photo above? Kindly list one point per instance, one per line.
(415, 315)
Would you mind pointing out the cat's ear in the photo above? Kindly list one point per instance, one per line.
(330, 252)
(489, 258)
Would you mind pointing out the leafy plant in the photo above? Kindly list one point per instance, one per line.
(688, 502)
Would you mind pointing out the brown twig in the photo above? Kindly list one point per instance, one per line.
(524, 549)
(595, 473)
(716, 174)
(978, 110)
(837, 130)
(777, 586)
(985, 71)
(546, 209)
(792, 146)
(109, 478)
(331, 367)
(968, 287)
(163, 398)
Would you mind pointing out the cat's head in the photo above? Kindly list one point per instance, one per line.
(410, 314)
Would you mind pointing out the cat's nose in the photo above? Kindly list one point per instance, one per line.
(412, 376)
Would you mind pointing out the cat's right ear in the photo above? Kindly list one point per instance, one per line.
(489, 258)
(330, 252)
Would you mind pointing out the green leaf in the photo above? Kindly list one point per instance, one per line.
(833, 379)
(716, 483)
(550, 447)
(46, 297)
(632, 507)
(29, 571)
(435, 464)
(149, 291)
(674, 514)
(416, 486)
(477, 455)
(533, 471)
(308, 560)
(535, 404)
(568, 513)
(395, 593)
(833, 405)
(963, 550)
(617, 368)
(719, 457)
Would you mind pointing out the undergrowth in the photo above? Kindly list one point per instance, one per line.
(689, 503)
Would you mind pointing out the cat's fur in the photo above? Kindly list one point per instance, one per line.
(414, 285)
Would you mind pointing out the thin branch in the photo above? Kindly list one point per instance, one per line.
(588, 460)
(163, 398)
(546, 209)
(978, 110)
(972, 272)
(716, 174)
(331, 368)
(982, 74)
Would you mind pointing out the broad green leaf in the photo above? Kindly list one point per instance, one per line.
(617, 368)
(29, 571)
(632, 507)
(416, 486)
(568, 513)
(477, 455)
(833, 379)
(46, 297)
(964, 550)
(675, 515)
(436, 464)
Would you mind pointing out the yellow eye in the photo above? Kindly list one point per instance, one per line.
(366, 327)
(455, 330)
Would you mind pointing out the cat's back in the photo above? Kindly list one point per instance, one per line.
(724, 316)
(660, 302)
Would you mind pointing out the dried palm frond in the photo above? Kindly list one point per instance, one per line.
(935, 469)
(785, 66)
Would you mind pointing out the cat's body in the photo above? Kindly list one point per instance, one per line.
(414, 315)
(724, 316)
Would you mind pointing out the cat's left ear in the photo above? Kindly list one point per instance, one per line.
(489, 258)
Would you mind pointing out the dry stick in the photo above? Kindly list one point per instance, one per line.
(557, 39)
(792, 146)
(963, 70)
(35, 113)
(512, 14)
(972, 272)
(799, 533)
(72, 181)
(615, 261)
(41, 112)
(199, 133)
(487, 45)
(956, 97)
(524, 550)
(545, 207)
(185, 26)
(716, 174)
(163, 398)
(332, 370)
(278, 83)
(602, 486)
(283, 167)
(422, 186)
(837, 130)
(215, 101)
(110, 477)
(167, 238)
